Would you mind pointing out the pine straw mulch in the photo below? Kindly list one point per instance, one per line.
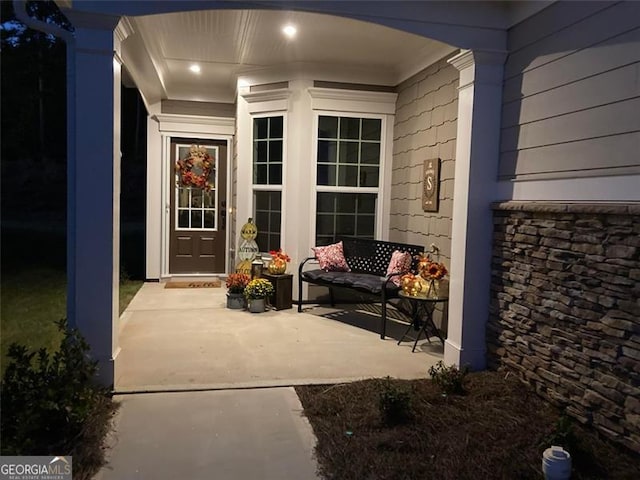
(498, 430)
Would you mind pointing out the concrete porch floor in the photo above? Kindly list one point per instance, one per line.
(186, 339)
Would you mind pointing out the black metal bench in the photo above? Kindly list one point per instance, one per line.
(368, 261)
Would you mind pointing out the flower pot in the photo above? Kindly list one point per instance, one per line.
(277, 267)
(257, 305)
(236, 301)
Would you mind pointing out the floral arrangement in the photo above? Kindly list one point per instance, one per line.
(279, 255)
(429, 269)
(258, 288)
(198, 160)
(236, 282)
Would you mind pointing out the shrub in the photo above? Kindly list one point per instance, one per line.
(449, 379)
(562, 434)
(50, 405)
(394, 403)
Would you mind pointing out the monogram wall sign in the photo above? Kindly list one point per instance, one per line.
(431, 186)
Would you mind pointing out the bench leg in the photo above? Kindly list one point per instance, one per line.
(331, 297)
(299, 293)
(383, 320)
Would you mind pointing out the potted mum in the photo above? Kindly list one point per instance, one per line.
(256, 293)
(236, 283)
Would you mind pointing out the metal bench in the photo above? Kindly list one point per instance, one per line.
(368, 260)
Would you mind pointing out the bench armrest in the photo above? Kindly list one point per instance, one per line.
(302, 264)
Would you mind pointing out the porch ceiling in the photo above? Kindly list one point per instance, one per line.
(231, 43)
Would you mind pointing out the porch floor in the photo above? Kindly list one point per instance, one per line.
(186, 339)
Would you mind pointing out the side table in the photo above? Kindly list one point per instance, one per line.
(422, 316)
(282, 284)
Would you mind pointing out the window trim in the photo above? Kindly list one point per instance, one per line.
(268, 187)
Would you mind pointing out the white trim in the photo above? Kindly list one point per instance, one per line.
(362, 102)
(275, 100)
(190, 124)
(123, 30)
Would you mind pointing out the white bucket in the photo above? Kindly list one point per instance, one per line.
(556, 464)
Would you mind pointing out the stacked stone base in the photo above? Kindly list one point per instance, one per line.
(565, 308)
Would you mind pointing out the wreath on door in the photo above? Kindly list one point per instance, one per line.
(196, 168)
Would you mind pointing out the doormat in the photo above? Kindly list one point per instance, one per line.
(207, 284)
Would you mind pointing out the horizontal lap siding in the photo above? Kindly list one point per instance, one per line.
(571, 99)
(425, 127)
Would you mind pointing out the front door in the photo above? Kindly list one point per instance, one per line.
(198, 194)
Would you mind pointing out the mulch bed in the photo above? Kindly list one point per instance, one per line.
(498, 430)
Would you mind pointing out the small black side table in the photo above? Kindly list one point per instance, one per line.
(422, 308)
(282, 284)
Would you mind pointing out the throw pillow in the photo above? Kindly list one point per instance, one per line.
(400, 263)
(331, 258)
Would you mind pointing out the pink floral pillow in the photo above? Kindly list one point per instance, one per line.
(331, 258)
(400, 263)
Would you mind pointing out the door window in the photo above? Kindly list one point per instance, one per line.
(197, 188)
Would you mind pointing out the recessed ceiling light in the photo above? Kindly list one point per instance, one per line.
(290, 31)
(195, 68)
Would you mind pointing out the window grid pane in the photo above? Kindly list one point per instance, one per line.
(268, 215)
(344, 214)
(267, 150)
(348, 151)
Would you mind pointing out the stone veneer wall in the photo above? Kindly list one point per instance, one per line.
(565, 308)
(425, 127)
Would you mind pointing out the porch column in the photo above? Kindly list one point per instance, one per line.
(475, 187)
(93, 199)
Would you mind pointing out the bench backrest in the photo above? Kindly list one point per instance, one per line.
(373, 256)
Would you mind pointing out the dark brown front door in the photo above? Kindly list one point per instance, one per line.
(198, 206)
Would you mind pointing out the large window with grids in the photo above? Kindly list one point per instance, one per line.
(348, 177)
(268, 162)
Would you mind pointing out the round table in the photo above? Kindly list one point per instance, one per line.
(422, 308)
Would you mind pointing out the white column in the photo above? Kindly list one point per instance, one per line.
(475, 187)
(93, 207)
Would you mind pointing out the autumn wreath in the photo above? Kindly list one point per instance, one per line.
(196, 168)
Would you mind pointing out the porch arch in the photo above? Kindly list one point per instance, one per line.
(93, 300)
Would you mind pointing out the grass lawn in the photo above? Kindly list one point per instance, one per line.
(498, 430)
(33, 300)
(33, 287)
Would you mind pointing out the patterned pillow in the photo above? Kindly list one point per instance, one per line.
(400, 263)
(331, 258)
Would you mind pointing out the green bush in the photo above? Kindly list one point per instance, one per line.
(562, 434)
(394, 403)
(449, 379)
(51, 405)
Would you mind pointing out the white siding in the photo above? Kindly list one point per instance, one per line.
(571, 100)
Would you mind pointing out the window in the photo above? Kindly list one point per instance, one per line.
(268, 140)
(345, 214)
(348, 151)
(267, 151)
(267, 215)
(196, 206)
(348, 172)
